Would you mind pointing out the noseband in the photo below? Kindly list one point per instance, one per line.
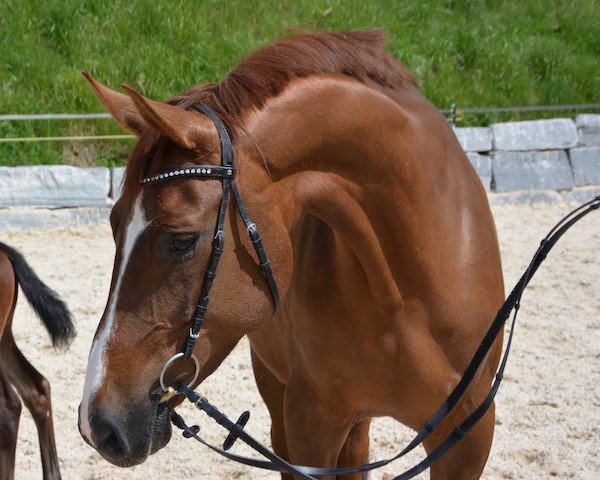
(226, 172)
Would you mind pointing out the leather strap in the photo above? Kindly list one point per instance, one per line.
(202, 171)
(258, 247)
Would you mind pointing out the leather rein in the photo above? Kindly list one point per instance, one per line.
(226, 172)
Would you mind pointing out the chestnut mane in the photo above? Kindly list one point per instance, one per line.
(267, 71)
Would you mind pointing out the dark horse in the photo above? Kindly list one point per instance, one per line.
(16, 371)
(378, 231)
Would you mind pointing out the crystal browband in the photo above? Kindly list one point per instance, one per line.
(200, 171)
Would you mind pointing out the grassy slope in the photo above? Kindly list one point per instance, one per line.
(474, 53)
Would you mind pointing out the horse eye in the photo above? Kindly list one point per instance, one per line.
(182, 245)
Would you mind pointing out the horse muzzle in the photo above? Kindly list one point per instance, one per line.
(128, 440)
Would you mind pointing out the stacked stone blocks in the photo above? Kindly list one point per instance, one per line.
(556, 154)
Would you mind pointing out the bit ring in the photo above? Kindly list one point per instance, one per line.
(170, 362)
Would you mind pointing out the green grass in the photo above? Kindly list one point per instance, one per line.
(473, 53)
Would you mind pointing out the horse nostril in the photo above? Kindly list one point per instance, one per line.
(113, 445)
(109, 439)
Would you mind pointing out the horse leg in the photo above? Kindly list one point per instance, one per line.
(466, 460)
(316, 426)
(272, 390)
(356, 450)
(10, 411)
(34, 389)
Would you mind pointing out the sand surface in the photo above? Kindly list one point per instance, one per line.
(548, 408)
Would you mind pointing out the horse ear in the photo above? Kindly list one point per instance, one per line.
(119, 105)
(188, 129)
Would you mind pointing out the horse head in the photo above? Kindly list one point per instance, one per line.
(163, 235)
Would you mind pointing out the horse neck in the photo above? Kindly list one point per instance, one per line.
(316, 144)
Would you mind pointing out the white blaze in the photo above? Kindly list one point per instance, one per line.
(96, 363)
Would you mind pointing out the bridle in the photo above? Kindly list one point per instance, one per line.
(226, 172)
(236, 430)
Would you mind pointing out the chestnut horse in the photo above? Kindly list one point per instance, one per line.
(15, 370)
(378, 231)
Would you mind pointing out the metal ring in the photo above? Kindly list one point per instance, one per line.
(170, 362)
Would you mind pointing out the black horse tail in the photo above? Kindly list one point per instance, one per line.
(47, 304)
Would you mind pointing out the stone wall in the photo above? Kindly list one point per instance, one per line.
(56, 186)
(530, 159)
(557, 154)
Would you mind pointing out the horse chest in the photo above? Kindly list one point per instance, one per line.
(332, 351)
